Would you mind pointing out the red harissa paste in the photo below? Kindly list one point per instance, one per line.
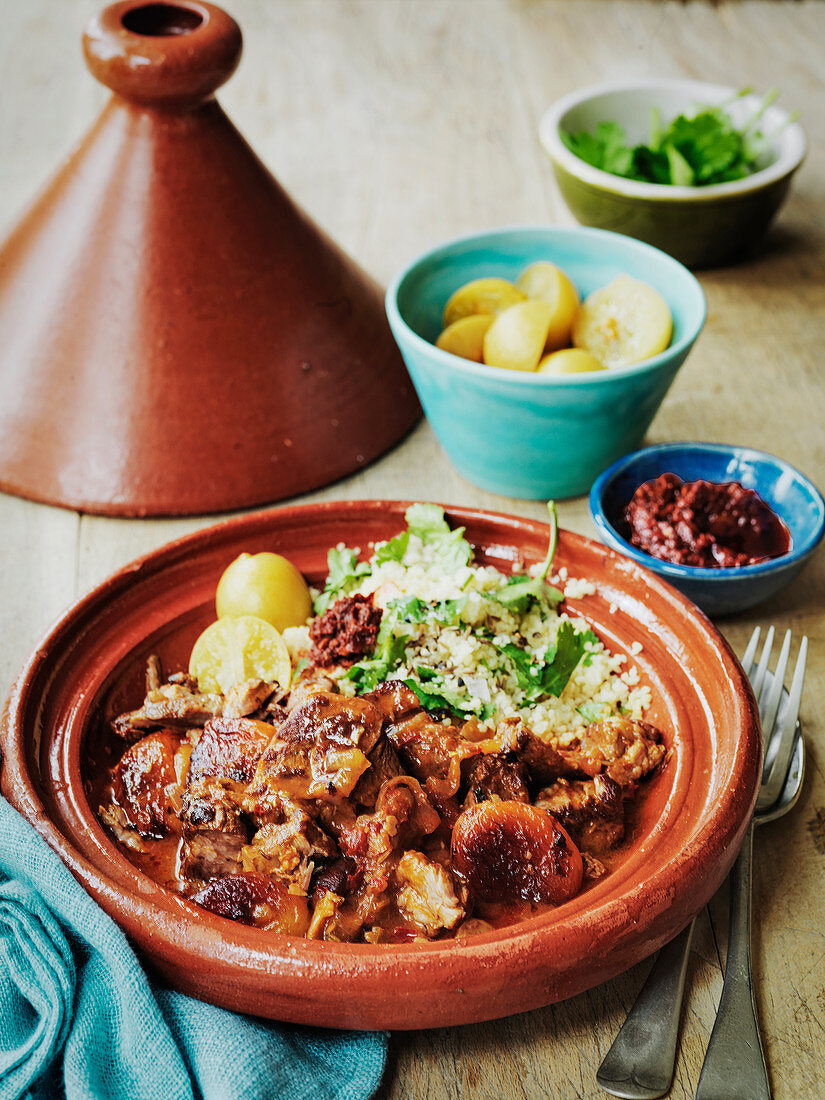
(705, 523)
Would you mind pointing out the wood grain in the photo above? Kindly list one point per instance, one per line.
(398, 124)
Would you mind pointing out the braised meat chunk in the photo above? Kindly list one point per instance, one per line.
(145, 788)
(257, 900)
(229, 750)
(320, 752)
(247, 697)
(178, 705)
(496, 775)
(288, 846)
(623, 748)
(591, 810)
(426, 896)
(212, 850)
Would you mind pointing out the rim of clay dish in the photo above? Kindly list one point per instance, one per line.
(668, 874)
(792, 144)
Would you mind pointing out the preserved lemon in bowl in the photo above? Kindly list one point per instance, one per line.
(517, 337)
(569, 361)
(487, 295)
(465, 337)
(625, 322)
(549, 430)
(546, 282)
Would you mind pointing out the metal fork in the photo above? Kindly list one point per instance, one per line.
(641, 1061)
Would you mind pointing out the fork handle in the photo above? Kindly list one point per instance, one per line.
(640, 1064)
(734, 1065)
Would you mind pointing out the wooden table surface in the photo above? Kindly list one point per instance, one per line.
(398, 124)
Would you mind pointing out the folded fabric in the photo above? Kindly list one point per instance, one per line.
(80, 1019)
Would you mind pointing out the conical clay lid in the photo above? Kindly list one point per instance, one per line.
(176, 335)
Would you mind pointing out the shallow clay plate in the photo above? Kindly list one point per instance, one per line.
(682, 843)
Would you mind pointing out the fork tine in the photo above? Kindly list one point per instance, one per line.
(770, 708)
(750, 652)
(758, 680)
(772, 787)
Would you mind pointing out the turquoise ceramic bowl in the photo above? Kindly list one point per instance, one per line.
(701, 226)
(523, 434)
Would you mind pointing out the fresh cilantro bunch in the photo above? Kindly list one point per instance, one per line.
(690, 151)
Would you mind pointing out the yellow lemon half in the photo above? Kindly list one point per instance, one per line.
(569, 361)
(238, 648)
(623, 323)
(516, 338)
(488, 295)
(465, 337)
(545, 282)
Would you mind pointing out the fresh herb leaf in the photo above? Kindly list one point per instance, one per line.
(394, 550)
(650, 165)
(594, 712)
(549, 675)
(413, 610)
(569, 650)
(681, 173)
(387, 655)
(428, 523)
(606, 148)
(345, 572)
(437, 699)
(691, 150)
(527, 671)
(521, 590)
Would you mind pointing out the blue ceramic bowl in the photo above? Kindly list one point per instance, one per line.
(717, 591)
(524, 434)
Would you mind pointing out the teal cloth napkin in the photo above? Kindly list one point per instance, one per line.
(80, 1019)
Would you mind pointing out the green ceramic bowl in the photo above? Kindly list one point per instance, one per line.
(700, 226)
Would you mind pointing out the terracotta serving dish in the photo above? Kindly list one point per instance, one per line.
(682, 845)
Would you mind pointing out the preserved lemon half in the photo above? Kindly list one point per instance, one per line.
(569, 361)
(465, 337)
(516, 338)
(237, 648)
(548, 283)
(489, 295)
(623, 323)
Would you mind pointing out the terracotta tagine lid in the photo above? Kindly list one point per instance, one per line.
(176, 335)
